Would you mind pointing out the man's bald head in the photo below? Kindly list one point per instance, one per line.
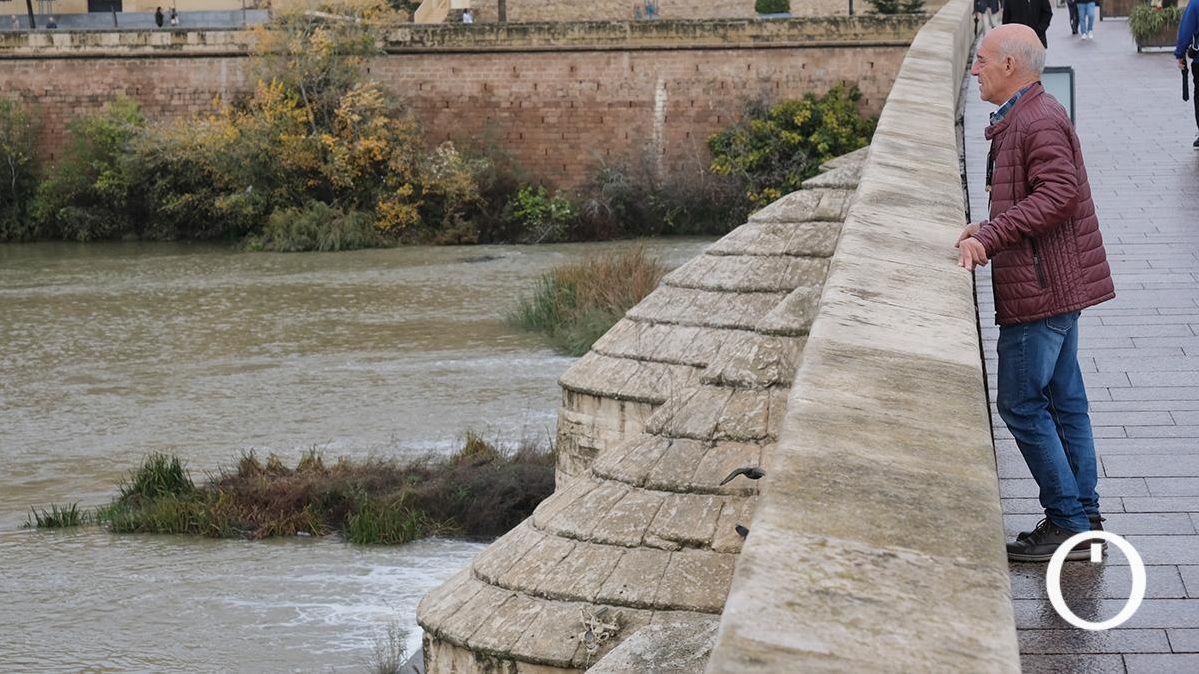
(1009, 58)
(1022, 44)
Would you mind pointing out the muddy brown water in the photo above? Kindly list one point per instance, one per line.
(111, 351)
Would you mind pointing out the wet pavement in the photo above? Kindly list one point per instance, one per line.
(1140, 358)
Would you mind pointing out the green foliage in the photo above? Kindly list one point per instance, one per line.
(57, 517)
(159, 475)
(483, 490)
(897, 6)
(540, 216)
(772, 6)
(316, 226)
(623, 201)
(18, 168)
(775, 149)
(88, 195)
(575, 304)
(1146, 21)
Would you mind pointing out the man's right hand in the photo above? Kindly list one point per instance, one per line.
(1182, 63)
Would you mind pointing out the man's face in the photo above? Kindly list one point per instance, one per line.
(994, 73)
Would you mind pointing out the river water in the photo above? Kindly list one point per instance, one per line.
(111, 351)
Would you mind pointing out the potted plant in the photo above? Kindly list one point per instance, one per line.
(1154, 26)
(773, 9)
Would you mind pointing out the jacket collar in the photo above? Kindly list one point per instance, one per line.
(1034, 90)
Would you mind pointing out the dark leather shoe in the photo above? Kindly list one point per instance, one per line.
(1096, 525)
(1042, 542)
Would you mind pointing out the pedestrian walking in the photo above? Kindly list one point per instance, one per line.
(1049, 264)
(158, 17)
(1188, 48)
(1035, 14)
(1086, 19)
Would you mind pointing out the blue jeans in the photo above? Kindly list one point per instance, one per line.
(1042, 400)
(1086, 17)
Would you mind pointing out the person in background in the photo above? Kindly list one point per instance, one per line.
(1050, 264)
(986, 7)
(16, 23)
(1072, 10)
(1086, 19)
(51, 23)
(1187, 47)
(158, 17)
(174, 17)
(1036, 14)
(467, 16)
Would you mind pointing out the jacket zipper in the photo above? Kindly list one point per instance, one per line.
(1036, 263)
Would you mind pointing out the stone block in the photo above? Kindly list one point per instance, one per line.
(745, 416)
(626, 522)
(562, 497)
(632, 459)
(794, 315)
(525, 574)
(722, 459)
(580, 518)
(687, 519)
(834, 205)
(696, 580)
(597, 375)
(446, 599)
(673, 472)
(629, 339)
(506, 551)
(505, 623)
(737, 510)
(844, 178)
(655, 383)
(798, 206)
(580, 574)
(849, 159)
(463, 623)
(691, 345)
(748, 273)
(634, 581)
(552, 638)
(692, 417)
(680, 645)
(754, 360)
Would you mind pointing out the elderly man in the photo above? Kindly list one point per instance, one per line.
(1050, 264)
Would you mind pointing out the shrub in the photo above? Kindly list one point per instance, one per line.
(772, 6)
(576, 303)
(483, 490)
(1145, 21)
(87, 195)
(316, 226)
(540, 217)
(622, 201)
(18, 168)
(897, 6)
(775, 149)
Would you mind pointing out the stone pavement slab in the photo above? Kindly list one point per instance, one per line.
(1140, 357)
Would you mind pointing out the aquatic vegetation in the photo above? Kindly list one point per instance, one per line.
(57, 517)
(483, 490)
(576, 303)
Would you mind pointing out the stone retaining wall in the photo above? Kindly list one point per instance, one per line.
(878, 544)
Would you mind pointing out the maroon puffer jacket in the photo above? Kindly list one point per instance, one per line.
(1043, 235)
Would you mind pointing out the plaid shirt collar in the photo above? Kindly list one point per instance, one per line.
(998, 115)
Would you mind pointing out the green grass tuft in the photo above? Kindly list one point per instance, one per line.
(57, 517)
(575, 304)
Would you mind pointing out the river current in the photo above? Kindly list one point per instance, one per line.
(111, 351)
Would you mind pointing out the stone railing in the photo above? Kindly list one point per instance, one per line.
(878, 541)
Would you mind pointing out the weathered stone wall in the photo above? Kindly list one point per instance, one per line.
(879, 543)
(561, 98)
(622, 10)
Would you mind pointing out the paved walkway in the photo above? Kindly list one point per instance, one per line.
(1140, 357)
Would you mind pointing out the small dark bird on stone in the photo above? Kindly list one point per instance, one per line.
(752, 472)
(741, 531)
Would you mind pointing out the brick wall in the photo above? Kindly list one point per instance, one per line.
(562, 99)
(564, 114)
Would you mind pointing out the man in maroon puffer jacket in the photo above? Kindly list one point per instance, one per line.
(1049, 265)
